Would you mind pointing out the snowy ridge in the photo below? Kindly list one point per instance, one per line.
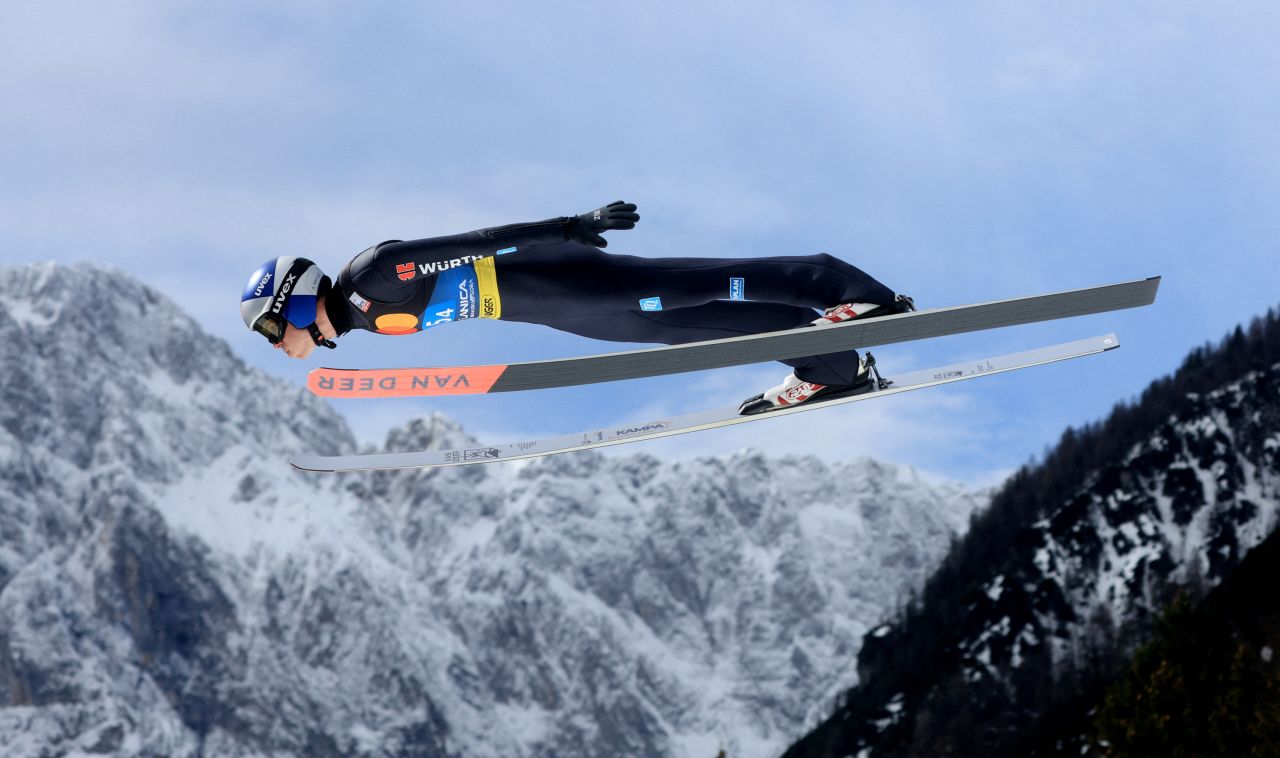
(169, 586)
(1182, 508)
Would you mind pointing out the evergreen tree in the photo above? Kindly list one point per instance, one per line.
(1193, 691)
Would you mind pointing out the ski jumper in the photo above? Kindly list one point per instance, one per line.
(532, 274)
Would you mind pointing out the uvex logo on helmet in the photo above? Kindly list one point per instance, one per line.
(262, 284)
(284, 293)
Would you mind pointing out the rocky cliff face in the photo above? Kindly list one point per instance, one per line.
(168, 586)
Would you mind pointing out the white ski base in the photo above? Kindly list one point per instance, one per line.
(693, 422)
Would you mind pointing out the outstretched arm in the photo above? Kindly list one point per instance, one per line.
(389, 272)
(585, 228)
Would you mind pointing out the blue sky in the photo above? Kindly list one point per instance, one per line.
(959, 153)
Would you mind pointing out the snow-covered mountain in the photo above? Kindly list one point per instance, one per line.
(1061, 579)
(169, 586)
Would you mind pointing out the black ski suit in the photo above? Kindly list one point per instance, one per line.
(532, 273)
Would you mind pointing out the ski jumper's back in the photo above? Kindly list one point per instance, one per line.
(398, 287)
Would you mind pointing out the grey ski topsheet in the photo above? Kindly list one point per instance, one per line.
(726, 416)
(733, 351)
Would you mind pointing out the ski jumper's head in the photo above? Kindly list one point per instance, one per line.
(281, 302)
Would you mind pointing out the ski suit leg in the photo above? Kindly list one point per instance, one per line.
(567, 286)
(577, 280)
(716, 320)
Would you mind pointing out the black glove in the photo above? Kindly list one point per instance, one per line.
(587, 227)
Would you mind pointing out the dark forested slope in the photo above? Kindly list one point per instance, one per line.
(1036, 611)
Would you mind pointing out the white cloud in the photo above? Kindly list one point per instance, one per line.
(958, 154)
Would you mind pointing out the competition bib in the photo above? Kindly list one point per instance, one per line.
(463, 292)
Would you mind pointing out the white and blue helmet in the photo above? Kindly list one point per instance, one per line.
(284, 290)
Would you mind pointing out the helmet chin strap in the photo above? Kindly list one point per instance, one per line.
(319, 338)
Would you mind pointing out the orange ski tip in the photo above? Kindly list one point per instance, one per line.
(403, 382)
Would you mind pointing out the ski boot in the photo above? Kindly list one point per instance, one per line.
(849, 311)
(794, 391)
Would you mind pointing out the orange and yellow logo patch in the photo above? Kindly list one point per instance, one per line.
(396, 323)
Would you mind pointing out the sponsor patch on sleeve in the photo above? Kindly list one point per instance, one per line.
(651, 304)
(359, 302)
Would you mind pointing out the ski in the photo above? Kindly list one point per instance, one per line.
(732, 351)
(727, 416)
